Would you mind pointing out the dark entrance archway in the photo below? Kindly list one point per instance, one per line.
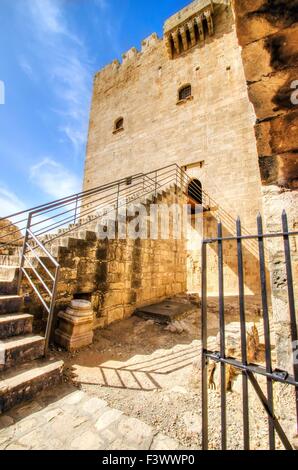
(194, 191)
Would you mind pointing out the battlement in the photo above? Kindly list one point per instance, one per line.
(182, 31)
(188, 27)
(198, 6)
(131, 55)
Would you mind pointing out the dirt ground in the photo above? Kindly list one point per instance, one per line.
(146, 371)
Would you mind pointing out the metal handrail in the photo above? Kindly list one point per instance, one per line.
(55, 214)
(52, 293)
(80, 210)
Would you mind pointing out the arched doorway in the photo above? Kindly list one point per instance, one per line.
(194, 191)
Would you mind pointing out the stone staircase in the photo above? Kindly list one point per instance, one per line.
(23, 370)
(84, 230)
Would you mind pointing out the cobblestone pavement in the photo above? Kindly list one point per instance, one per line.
(76, 421)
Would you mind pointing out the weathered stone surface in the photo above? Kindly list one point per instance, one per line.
(20, 349)
(15, 324)
(109, 417)
(278, 135)
(281, 170)
(136, 433)
(10, 304)
(243, 7)
(272, 95)
(24, 382)
(260, 18)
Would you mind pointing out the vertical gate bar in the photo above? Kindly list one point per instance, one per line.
(243, 336)
(222, 339)
(204, 333)
(292, 308)
(266, 327)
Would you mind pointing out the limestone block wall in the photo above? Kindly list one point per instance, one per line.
(118, 276)
(214, 127)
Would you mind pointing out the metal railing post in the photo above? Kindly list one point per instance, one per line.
(22, 259)
(76, 210)
(117, 207)
(51, 313)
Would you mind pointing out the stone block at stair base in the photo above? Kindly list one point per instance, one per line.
(75, 326)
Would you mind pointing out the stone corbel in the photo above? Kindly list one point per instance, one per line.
(182, 31)
(175, 36)
(208, 16)
(199, 21)
(169, 48)
(192, 33)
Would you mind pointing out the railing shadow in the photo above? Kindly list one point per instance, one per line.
(140, 375)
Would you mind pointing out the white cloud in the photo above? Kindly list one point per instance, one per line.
(48, 16)
(66, 64)
(9, 202)
(54, 179)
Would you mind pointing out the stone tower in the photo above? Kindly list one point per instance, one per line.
(180, 99)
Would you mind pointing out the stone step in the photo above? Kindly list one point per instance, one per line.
(8, 280)
(10, 303)
(14, 351)
(15, 324)
(9, 260)
(25, 381)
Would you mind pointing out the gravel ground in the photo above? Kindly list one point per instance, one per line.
(147, 372)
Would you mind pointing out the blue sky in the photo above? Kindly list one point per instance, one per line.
(50, 50)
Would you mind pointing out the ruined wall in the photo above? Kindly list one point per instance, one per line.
(214, 127)
(10, 238)
(268, 33)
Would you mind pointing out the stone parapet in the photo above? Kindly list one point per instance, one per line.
(188, 27)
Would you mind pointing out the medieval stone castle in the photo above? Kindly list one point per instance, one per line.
(210, 108)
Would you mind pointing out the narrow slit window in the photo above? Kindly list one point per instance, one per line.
(185, 92)
(119, 124)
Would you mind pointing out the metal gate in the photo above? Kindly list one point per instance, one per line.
(250, 372)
